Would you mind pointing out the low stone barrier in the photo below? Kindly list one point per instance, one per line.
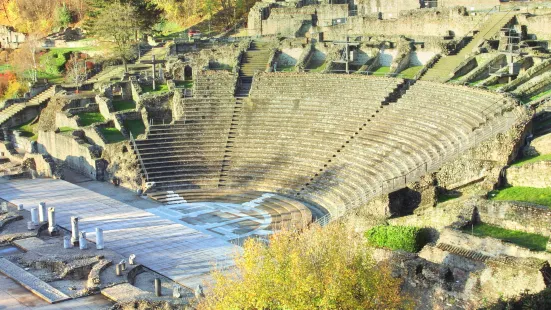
(537, 174)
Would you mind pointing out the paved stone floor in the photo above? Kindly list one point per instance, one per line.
(15, 297)
(181, 253)
(229, 221)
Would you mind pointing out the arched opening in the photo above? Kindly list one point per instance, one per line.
(188, 73)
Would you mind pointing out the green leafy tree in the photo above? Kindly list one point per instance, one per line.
(63, 16)
(116, 26)
(320, 268)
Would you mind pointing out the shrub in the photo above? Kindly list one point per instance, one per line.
(319, 268)
(406, 238)
(53, 62)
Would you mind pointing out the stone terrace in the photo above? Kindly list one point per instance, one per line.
(176, 251)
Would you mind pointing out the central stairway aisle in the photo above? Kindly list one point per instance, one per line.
(442, 69)
(255, 59)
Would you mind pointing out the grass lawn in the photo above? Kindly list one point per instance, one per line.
(540, 95)
(185, 84)
(540, 196)
(159, 89)
(136, 127)
(5, 67)
(286, 69)
(496, 86)
(382, 71)
(66, 129)
(447, 197)
(27, 130)
(531, 241)
(112, 135)
(89, 118)
(123, 105)
(410, 72)
(529, 160)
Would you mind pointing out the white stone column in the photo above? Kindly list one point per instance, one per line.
(34, 216)
(67, 242)
(74, 230)
(83, 243)
(99, 238)
(51, 221)
(20, 207)
(132, 259)
(42, 212)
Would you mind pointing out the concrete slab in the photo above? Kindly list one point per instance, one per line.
(32, 283)
(181, 253)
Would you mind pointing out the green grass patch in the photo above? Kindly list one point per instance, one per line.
(527, 240)
(496, 86)
(66, 129)
(5, 67)
(286, 69)
(158, 89)
(447, 197)
(407, 238)
(410, 72)
(89, 118)
(124, 105)
(112, 135)
(382, 71)
(319, 67)
(541, 95)
(540, 196)
(530, 160)
(184, 84)
(27, 130)
(136, 127)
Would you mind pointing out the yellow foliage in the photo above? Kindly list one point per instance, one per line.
(15, 89)
(317, 269)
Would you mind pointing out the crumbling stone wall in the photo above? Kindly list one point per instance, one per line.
(76, 154)
(123, 165)
(389, 8)
(430, 22)
(536, 174)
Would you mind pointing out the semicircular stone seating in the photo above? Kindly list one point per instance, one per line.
(329, 140)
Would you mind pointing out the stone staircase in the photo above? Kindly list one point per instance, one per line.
(255, 59)
(463, 252)
(231, 139)
(442, 69)
(13, 109)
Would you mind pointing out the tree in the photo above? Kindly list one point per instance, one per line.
(116, 25)
(76, 70)
(63, 16)
(25, 59)
(320, 268)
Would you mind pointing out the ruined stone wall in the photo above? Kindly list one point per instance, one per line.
(538, 25)
(123, 165)
(105, 107)
(389, 8)
(515, 215)
(9, 38)
(430, 22)
(22, 143)
(77, 155)
(64, 119)
(476, 4)
(488, 246)
(483, 164)
(536, 174)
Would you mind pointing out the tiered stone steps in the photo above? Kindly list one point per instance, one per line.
(32, 283)
(255, 59)
(442, 69)
(470, 254)
(231, 139)
(13, 109)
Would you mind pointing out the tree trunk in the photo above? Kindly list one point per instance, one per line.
(125, 65)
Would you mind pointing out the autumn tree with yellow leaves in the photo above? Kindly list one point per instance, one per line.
(320, 268)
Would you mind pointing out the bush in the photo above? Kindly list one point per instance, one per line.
(406, 238)
(53, 62)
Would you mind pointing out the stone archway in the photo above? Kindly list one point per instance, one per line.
(188, 73)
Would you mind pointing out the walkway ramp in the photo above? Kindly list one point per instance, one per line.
(15, 108)
(32, 283)
(441, 71)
